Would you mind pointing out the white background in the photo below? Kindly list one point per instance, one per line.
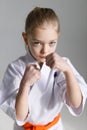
(72, 43)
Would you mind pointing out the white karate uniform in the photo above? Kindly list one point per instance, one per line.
(46, 97)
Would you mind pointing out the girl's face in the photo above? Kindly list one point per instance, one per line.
(42, 42)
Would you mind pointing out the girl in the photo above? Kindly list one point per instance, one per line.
(36, 86)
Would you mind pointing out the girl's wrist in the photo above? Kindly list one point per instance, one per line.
(25, 87)
(68, 71)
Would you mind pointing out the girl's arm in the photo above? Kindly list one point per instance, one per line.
(31, 75)
(73, 94)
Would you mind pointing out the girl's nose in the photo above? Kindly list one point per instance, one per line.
(44, 49)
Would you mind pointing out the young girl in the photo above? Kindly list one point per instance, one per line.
(36, 86)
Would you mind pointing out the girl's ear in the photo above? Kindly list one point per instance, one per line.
(24, 35)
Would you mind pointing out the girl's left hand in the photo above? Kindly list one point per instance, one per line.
(55, 61)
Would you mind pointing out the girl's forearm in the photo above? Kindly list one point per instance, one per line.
(21, 104)
(73, 94)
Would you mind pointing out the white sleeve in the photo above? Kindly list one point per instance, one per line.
(8, 90)
(83, 87)
(21, 123)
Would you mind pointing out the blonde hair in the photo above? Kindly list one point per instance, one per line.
(38, 16)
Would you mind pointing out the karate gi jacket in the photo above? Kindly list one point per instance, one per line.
(46, 97)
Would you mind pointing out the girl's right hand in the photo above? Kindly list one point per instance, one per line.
(31, 75)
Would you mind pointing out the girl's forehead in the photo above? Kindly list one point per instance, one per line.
(45, 33)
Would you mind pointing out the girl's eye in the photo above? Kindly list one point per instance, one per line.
(36, 43)
(52, 43)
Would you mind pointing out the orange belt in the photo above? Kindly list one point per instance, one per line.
(29, 126)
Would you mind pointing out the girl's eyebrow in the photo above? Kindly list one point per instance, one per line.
(35, 40)
(43, 41)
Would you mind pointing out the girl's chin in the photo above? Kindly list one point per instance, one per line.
(44, 60)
